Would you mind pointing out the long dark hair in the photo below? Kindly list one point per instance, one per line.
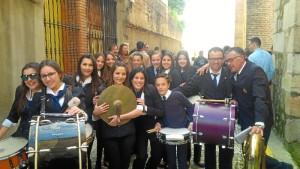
(186, 54)
(107, 69)
(134, 72)
(22, 102)
(95, 77)
(110, 80)
(54, 65)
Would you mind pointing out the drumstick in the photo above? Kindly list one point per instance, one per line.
(151, 131)
(212, 100)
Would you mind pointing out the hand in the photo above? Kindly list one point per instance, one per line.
(204, 69)
(257, 130)
(95, 99)
(157, 127)
(140, 101)
(103, 108)
(233, 102)
(73, 110)
(190, 127)
(114, 120)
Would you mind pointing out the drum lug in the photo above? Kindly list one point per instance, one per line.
(200, 134)
(75, 147)
(232, 138)
(45, 122)
(224, 137)
(70, 120)
(226, 119)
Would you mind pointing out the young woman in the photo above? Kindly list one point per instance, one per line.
(110, 60)
(175, 116)
(184, 70)
(167, 63)
(118, 139)
(136, 61)
(21, 106)
(154, 69)
(147, 97)
(87, 78)
(57, 93)
(100, 61)
(123, 54)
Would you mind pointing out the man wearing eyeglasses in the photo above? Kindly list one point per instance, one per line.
(215, 84)
(251, 92)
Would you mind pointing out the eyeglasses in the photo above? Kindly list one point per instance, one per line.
(231, 59)
(215, 59)
(32, 76)
(50, 75)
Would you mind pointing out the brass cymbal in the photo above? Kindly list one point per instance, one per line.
(119, 98)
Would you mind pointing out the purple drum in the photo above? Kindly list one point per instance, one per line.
(214, 123)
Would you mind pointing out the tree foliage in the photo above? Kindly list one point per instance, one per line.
(177, 5)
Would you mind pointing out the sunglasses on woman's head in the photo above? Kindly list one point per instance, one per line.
(32, 76)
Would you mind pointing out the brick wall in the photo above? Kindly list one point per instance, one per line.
(259, 21)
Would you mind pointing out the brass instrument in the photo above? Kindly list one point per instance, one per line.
(254, 152)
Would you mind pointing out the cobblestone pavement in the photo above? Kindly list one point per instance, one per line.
(237, 159)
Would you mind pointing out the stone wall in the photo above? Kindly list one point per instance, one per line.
(240, 24)
(287, 76)
(22, 40)
(148, 21)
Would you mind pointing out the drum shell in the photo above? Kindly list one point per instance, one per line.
(184, 132)
(13, 158)
(214, 123)
(57, 136)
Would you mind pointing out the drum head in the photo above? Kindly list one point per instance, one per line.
(11, 145)
(88, 129)
(179, 131)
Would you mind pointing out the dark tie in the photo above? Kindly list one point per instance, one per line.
(164, 98)
(183, 76)
(215, 80)
(237, 77)
(55, 99)
(156, 71)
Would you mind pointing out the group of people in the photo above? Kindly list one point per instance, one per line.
(161, 83)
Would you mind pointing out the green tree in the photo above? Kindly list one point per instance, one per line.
(177, 5)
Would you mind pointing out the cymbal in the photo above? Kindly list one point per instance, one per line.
(120, 100)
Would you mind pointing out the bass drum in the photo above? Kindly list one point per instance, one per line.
(57, 142)
(214, 123)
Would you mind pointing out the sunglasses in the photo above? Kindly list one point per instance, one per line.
(32, 76)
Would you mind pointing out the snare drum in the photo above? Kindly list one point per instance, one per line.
(13, 153)
(58, 140)
(172, 136)
(214, 123)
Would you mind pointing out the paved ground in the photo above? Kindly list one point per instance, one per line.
(275, 149)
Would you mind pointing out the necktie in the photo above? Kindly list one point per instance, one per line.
(156, 71)
(55, 99)
(237, 77)
(164, 98)
(215, 80)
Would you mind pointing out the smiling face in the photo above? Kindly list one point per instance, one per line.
(86, 67)
(166, 62)
(51, 78)
(119, 75)
(32, 84)
(162, 85)
(215, 60)
(235, 61)
(155, 60)
(100, 62)
(137, 61)
(182, 61)
(138, 81)
(110, 60)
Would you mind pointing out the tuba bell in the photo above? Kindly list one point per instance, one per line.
(254, 152)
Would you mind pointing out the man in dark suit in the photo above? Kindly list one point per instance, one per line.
(215, 84)
(252, 95)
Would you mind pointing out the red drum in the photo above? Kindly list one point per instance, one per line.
(13, 153)
(214, 123)
(57, 140)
